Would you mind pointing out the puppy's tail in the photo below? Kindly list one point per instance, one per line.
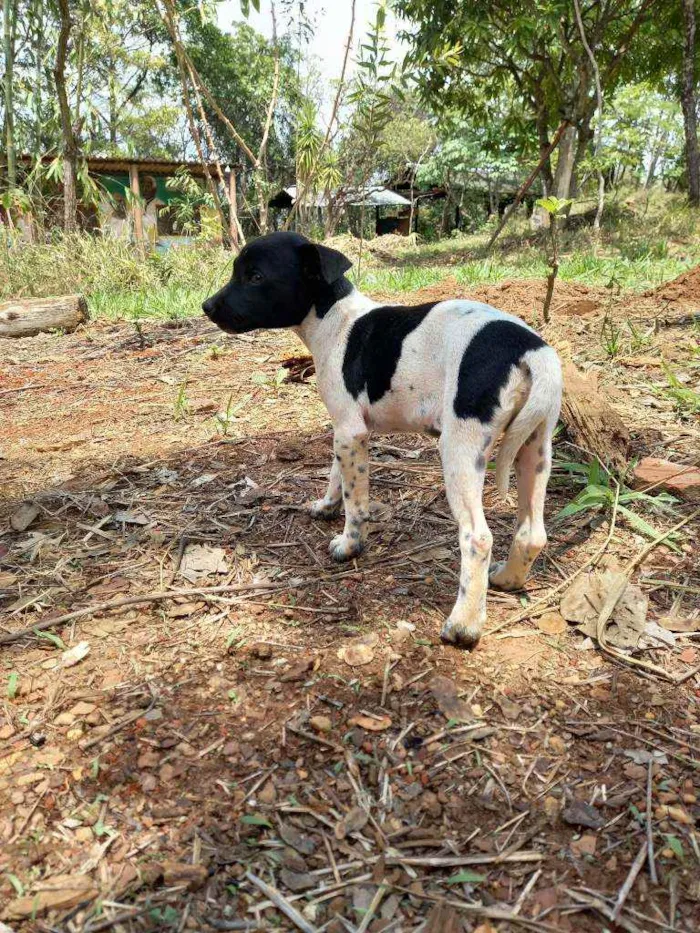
(542, 405)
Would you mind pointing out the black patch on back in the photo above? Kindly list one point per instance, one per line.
(374, 347)
(486, 365)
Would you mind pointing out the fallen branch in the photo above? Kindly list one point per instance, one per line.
(158, 596)
(281, 903)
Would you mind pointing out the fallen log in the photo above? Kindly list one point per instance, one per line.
(591, 423)
(25, 317)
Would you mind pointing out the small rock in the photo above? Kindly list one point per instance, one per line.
(291, 835)
(586, 845)
(6, 732)
(293, 861)
(579, 813)
(23, 517)
(297, 882)
(84, 834)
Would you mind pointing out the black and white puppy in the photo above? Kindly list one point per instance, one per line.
(459, 370)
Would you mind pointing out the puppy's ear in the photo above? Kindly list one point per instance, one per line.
(322, 262)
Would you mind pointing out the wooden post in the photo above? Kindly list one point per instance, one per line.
(233, 208)
(136, 211)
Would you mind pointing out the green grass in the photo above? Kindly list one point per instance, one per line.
(160, 303)
(587, 269)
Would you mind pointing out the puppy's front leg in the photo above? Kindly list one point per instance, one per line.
(328, 507)
(351, 455)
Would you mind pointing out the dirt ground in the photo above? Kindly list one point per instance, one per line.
(269, 741)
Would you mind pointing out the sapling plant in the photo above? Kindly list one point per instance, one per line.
(554, 207)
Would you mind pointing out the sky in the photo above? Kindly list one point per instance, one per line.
(331, 20)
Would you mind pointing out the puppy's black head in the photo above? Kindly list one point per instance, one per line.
(276, 281)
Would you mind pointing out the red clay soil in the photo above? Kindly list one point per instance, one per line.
(685, 287)
(306, 728)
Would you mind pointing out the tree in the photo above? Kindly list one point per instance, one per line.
(9, 17)
(689, 104)
(472, 51)
(69, 136)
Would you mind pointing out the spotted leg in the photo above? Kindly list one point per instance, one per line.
(328, 507)
(532, 468)
(351, 456)
(463, 448)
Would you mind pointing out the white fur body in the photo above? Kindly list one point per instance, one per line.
(421, 399)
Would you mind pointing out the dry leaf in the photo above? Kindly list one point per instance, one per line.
(585, 598)
(61, 891)
(75, 654)
(509, 709)
(552, 623)
(352, 822)
(359, 651)
(447, 698)
(679, 624)
(201, 560)
(370, 723)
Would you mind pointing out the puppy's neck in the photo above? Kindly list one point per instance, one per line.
(324, 326)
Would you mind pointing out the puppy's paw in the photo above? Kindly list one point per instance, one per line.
(461, 634)
(324, 509)
(344, 547)
(500, 580)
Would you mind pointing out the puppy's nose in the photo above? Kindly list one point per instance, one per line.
(208, 306)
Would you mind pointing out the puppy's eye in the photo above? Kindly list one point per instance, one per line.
(256, 278)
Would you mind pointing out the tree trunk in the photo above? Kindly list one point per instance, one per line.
(565, 163)
(70, 145)
(543, 136)
(28, 316)
(689, 104)
(9, 52)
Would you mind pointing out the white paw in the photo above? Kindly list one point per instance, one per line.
(324, 509)
(460, 632)
(344, 547)
(500, 580)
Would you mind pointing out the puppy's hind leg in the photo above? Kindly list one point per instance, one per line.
(464, 447)
(532, 468)
(328, 507)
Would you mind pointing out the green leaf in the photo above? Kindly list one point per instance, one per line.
(16, 884)
(674, 844)
(12, 685)
(254, 819)
(55, 640)
(466, 877)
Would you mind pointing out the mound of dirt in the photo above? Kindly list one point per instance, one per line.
(379, 249)
(685, 287)
(523, 297)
